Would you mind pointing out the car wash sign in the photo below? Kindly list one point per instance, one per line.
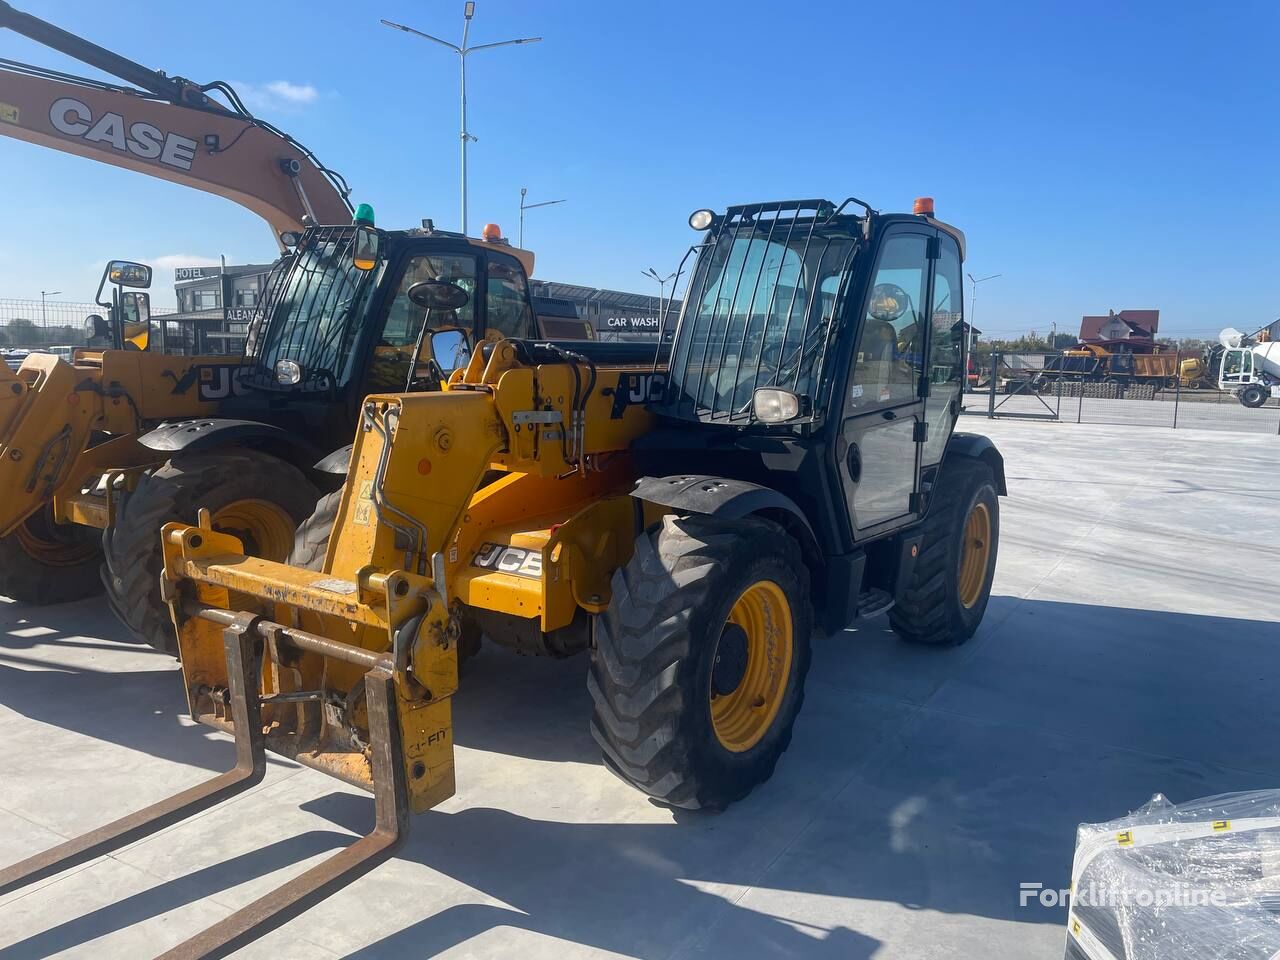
(617, 322)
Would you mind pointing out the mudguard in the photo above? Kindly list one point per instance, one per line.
(980, 448)
(718, 497)
(336, 462)
(190, 436)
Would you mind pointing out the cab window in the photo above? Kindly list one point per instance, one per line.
(889, 358)
(509, 313)
(394, 351)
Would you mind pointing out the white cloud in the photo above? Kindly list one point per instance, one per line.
(275, 94)
(293, 92)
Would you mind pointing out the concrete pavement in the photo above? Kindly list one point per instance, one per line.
(1129, 648)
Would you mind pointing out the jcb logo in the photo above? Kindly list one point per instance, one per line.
(637, 388)
(211, 382)
(218, 383)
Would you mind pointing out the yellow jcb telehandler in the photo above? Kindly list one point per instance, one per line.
(684, 513)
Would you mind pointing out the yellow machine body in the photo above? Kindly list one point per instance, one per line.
(494, 495)
(63, 425)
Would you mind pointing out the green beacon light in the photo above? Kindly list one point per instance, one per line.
(364, 215)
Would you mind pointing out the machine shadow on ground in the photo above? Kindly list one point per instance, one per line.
(984, 760)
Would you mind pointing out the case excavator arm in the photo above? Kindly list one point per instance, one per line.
(164, 126)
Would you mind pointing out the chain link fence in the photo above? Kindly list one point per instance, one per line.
(27, 325)
(1150, 391)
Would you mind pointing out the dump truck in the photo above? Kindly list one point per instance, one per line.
(684, 513)
(96, 454)
(1095, 363)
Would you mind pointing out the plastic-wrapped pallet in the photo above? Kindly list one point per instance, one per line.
(1188, 881)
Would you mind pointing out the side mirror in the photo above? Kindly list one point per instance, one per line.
(126, 273)
(450, 349)
(364, 250)
(438, 295)
(135, 320)
(96, 327)
(888, 302)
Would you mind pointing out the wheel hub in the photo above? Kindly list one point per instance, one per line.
(731, 661)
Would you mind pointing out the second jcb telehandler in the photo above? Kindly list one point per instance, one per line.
(686, 514)
(98, 453)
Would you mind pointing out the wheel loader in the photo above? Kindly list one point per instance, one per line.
(685, 514)
(98, 453)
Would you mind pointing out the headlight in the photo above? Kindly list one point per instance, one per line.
(288, 372)
(701, 219)
(772, 405)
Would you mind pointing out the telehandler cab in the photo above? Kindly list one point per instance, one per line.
(685, 513)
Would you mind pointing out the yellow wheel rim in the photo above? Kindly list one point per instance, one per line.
(752, 666)
(265, 528)
(56, 545)
(975, 553)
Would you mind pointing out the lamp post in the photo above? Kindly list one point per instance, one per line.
(468, 11)
(653, 274)
(530, 206)
(973, 295)
(45, 293)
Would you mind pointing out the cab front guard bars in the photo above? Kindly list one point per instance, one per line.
(243, 636)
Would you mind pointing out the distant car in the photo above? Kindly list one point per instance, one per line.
(62, 353)
(14, 358)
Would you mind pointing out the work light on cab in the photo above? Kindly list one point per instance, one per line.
(288, 372)
(491, 232)
(701, 219)
(773, 405)
(923, 207)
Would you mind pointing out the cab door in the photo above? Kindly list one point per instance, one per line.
(883, 409)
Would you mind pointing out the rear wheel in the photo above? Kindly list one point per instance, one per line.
(950, 584)
(700, 659)
(254, 496)
(1254, 395)
(46, 562)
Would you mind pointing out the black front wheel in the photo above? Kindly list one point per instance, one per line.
(950, 584)
(254, 496)
(700, 659)
(46, 562)
(1254, 395)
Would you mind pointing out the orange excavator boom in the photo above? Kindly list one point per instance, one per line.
(164, 126)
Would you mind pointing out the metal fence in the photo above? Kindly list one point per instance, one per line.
(1042, 387)
(27, 324)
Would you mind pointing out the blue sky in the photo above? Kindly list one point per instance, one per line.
(1098, 155)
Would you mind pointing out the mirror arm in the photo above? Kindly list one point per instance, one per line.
(417, 352)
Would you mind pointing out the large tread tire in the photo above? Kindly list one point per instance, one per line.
(650, 674)
(176, 492)
(311, 543)
(929, 611)
(28, 577)
(1253, 396)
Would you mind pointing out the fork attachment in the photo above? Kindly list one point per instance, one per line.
(242, 647)
(243, 641)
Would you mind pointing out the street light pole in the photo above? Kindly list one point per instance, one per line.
(468, 11)
(653, 274)
(530, 206)
(45, 293)
(973, 297)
